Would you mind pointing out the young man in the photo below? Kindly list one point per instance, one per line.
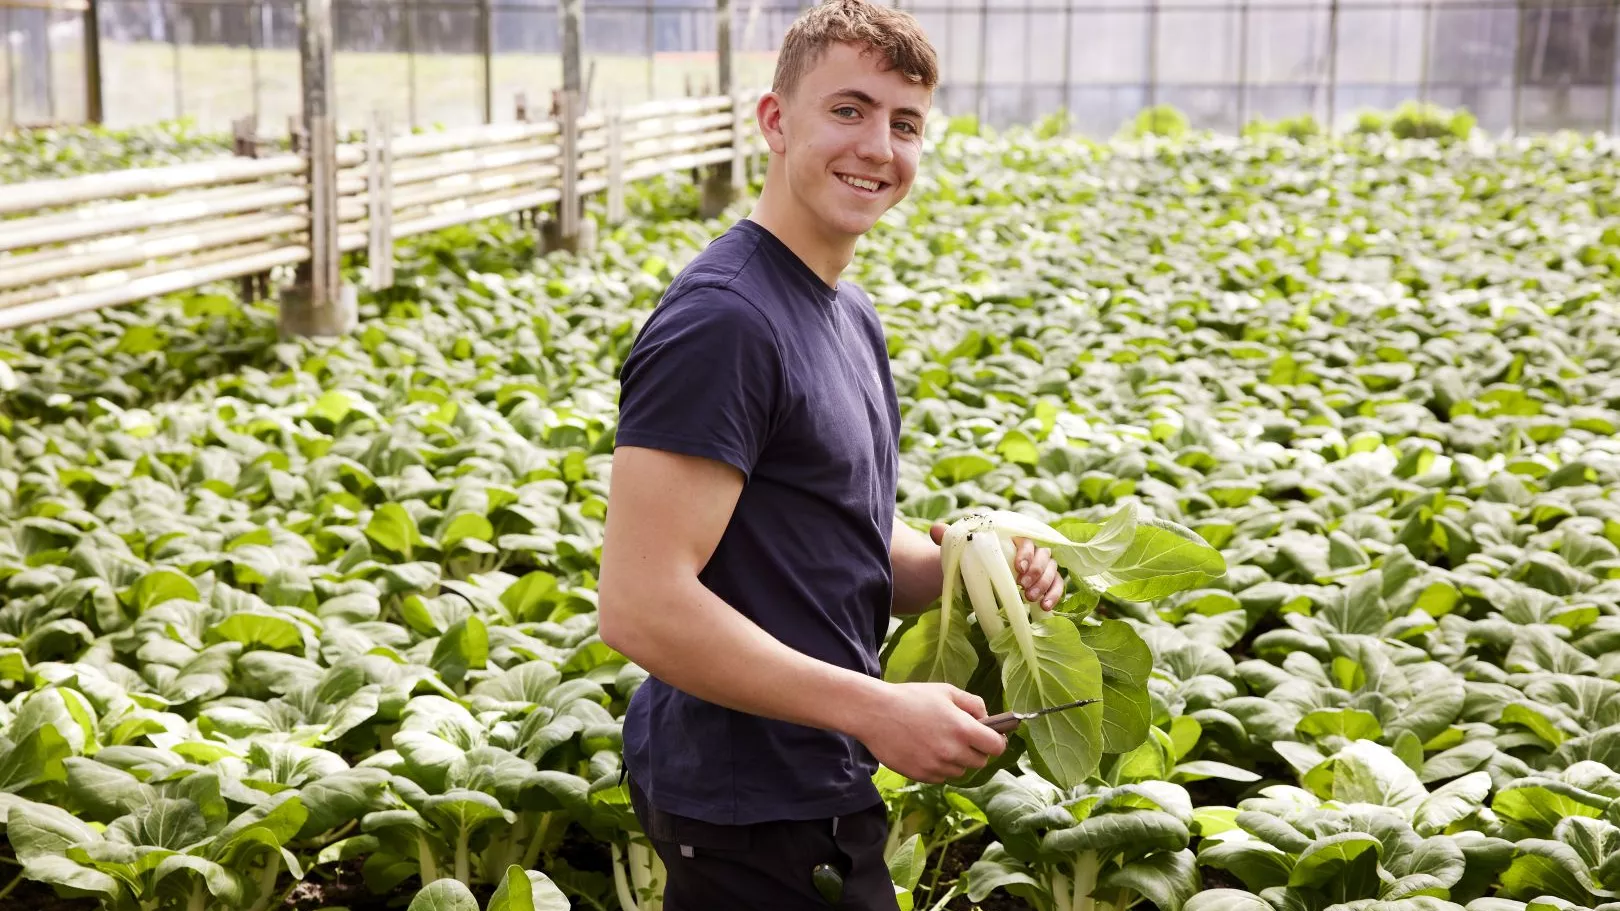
(752, 553)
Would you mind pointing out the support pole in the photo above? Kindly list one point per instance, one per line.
(1068, 66)
(11, 70)
(1428, 48)
(1243, 67)
(739, 143)
(409, 8)
(255, 286)
(486, 44)
(1518, 68)
(724, 52)
(93, 110)
(379, 202)
(615, 151)
(526, 218)
(1153, 53)
(256, 37)
(982, 104)
(1332, 65)
(573, 12)
(568, 210)
(318, 303)
(568, 230)
(172, 29)
(48, 51)
(722, 185)
(1614, 15)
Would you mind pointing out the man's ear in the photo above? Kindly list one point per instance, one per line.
(768, 114)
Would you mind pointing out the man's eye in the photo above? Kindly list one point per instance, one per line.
(846, 110)
(907, 126)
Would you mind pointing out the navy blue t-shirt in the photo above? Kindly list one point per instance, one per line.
(751, 359)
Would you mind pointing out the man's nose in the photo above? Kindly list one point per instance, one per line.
(874, 143)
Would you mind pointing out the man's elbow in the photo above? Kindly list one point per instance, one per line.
(636, 610)
(622, 621)
(614, 625)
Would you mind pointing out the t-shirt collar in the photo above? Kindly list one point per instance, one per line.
(814, 281)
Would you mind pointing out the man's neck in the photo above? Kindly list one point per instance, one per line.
(825, 257)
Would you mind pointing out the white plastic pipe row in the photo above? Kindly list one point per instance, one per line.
(167, 282)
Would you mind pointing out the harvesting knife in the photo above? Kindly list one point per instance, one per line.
(1006, 721)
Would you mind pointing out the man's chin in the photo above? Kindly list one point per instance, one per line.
(854, 224)
(841, 221)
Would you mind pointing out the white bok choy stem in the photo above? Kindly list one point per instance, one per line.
(647, 875)
(638, 876)
(950, 562)
(1053, 657)
(998, 531)
(1085, 881)
(621, 881)
(980, 550)
(980, 586)
(1060, 892)
(1089, 558)
(996, 572)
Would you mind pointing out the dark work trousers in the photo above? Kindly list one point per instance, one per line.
(768, 866)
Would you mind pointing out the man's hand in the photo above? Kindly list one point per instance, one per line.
(930, 732)
(1038, 574)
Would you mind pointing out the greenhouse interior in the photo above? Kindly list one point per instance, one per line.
(1131, 455)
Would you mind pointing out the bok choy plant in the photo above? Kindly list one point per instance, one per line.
(1091, 848)
(519, 890)
(1015, 657)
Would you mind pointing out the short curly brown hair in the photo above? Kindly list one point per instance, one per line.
(893, 33)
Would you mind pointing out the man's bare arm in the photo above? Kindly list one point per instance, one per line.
(665, 515)
(918, 574)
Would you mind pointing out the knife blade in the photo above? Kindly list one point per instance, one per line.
(1006, 721)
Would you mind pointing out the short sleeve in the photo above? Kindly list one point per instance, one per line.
(703, 378)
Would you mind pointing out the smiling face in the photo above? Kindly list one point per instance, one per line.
(848, 138)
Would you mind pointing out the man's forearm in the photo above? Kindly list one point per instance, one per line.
(700, 645)
(918, 574)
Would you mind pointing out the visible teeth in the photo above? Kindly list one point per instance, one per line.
(863, 184)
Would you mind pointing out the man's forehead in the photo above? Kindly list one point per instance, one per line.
(862, 74)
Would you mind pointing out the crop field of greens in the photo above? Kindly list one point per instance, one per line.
(300, 625)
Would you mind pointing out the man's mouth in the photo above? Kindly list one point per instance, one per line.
(863, 184)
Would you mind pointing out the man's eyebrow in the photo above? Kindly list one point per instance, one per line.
(866, 99)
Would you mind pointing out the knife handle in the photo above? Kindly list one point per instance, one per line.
(1002, 723)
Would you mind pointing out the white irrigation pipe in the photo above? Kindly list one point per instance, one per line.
(150, 286)
(44, 194)
(104, 221)
(50, 265)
